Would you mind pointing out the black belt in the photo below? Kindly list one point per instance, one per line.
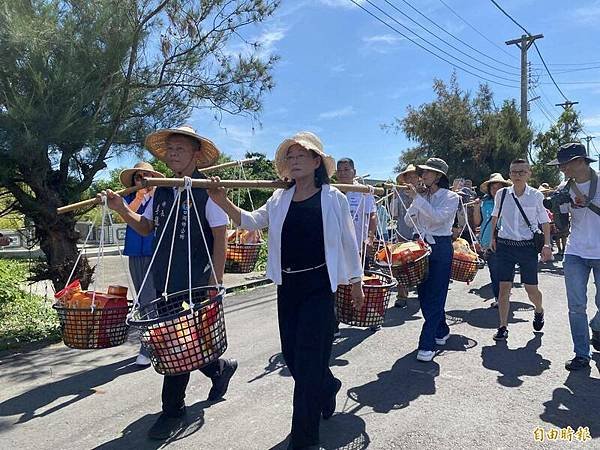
(511, 243)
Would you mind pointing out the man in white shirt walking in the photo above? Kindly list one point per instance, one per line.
(362, 206)
(580, 195)
(515, 243)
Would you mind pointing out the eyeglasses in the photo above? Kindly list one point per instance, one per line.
(519, 172)
(140, 176)
(300, 158)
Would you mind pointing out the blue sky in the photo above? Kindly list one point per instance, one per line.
(342, 73)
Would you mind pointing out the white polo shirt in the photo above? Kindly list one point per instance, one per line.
(513, 226)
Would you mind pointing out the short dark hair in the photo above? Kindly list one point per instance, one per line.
(347, 161)
(443, 183)
(519, 161)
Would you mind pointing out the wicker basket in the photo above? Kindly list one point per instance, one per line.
(179, 339)
(241, 258)
(87, 328)
(411, 273)
(373, 310)
(463, 270)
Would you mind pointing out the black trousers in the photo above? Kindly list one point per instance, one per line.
(174, 386)
(305, 306)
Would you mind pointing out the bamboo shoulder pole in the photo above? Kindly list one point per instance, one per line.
(229, 184)
(229, 164)
(94, 201)
(254, 184)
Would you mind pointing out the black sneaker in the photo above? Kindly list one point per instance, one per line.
(596, 340)
(538, 321)
(577, 363)
(501, 334)
(220, 383)
(166, 426)
(329, 408)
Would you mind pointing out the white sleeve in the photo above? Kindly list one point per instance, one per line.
(215, 216)
(149, 211)
(370, 205)
(542, 213)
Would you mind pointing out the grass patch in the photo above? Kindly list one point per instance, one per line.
(24, 318)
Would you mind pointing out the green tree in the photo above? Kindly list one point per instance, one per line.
(83, 81)
(546, 144)
(471, 134)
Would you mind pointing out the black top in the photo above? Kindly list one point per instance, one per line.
(302, 244)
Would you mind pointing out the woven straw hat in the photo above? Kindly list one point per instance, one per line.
(307, 140)
(126, 176)
(494, 178)
(409, 168)
(156, 143)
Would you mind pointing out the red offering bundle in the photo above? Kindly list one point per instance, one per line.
(401, 253)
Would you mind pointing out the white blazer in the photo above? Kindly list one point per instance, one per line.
(341, 251)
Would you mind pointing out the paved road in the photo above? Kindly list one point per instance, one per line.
(475, 394)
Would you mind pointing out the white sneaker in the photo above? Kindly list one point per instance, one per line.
(424, 355)
(442, 341)
(142, 361)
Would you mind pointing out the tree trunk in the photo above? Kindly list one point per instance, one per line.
(58, 241)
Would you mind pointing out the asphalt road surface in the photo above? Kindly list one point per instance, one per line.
(475, 394)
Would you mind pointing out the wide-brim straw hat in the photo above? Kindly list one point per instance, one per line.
(495, 178)
(409, 168)
(156, 143)
(126, 176)
(307, 140)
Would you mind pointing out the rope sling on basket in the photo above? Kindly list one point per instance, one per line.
(243, 246)
(377, 288)
(92, 319)
(465, 262)
(182, 331)
(408, 261)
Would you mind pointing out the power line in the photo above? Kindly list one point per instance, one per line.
(459, 39)
(534, 44)
(445, 42)
(479, 32)
(427, 49)
(432, 44)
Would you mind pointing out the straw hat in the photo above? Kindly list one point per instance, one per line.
(494, 178)
(157, 144)
(126, 176)
(409, 168)
(307, 140)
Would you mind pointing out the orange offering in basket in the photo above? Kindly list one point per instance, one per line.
(463, 251)
(243, 236)
(402, 253)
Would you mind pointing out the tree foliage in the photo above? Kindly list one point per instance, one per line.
(472, 134)
(82, 81)
(546, 144)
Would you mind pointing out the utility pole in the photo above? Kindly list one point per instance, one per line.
(587, 140)
(524, 43)
(566, 105)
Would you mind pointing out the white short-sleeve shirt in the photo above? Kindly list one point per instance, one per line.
(513, 226)
(361, 207)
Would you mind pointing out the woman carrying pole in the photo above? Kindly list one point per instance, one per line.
(311, 250)
(432, 210)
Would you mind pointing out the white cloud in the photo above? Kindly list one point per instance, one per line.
(339, 68)
(592, 121)
(340, 3)
(337, 113)
(587, 14)
(382, 43)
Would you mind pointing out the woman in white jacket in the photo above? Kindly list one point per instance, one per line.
(311, 250)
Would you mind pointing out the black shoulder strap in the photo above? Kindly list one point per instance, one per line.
(502, 202)
(523, 213)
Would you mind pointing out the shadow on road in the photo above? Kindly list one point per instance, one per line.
(75, 388)
(485, 317)
(577, 403)
(343, 431)
(515, 363)
(406, 381)
(134, 435)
